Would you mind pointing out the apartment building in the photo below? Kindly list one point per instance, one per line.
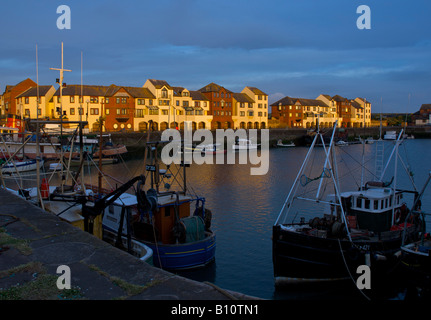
(79, 103)
(260, 107)
(34, 102)
(126, 108)
(221, 103)
(325, 110)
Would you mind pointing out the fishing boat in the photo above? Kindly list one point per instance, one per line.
(175, 224)
(416, 256)
(244, 144)
(280, 144)
(317, 238)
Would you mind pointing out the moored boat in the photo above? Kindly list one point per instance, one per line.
(20, 166)
(244, 144)
(280, 144)
(345, 229)
(174, 223)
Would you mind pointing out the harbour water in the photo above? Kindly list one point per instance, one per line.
(244, 209)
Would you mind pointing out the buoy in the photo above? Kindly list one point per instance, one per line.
(44, 189)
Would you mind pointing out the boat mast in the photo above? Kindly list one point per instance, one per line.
(60, 81)
(39, 195)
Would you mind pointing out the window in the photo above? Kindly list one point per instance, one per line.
(94, 100)
(358, 202)
(164, 93)
(141, 101)
(94, 111)
(106, 111)
(124, 111)
(72, 99)
(117, 100)
(124, 100)
(72, 111)
(81, 111)
(177, 102)
(242, 113)
(106, 100)
(139, 113)
(367, 204)
(27, 112)
(26, 100)
(376, 204)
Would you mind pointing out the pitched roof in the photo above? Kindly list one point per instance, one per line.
(87, 90)
(197, 95)
(159, 83)
(256, 91)
(32, 92)
(8, 88)
(213, 87)
(339, 98)
(242, 97)
(304, 102)
(135, 92)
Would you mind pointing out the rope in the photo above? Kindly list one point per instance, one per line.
(348, 270)
(304, 180)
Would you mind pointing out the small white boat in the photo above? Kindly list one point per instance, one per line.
(280, 144)
(369, 140)
(341, 143)
(211, 148)
(244, 144)
(20, 166)
(390, 135)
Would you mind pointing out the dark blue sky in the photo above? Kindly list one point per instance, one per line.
(284, 47)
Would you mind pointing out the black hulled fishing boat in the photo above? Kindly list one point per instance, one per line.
(318, 238)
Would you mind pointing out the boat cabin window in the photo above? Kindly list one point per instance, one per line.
(367, 204)
(358, 202)
(376, 204)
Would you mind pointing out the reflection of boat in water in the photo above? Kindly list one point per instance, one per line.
(345, 230)
(280, 144)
